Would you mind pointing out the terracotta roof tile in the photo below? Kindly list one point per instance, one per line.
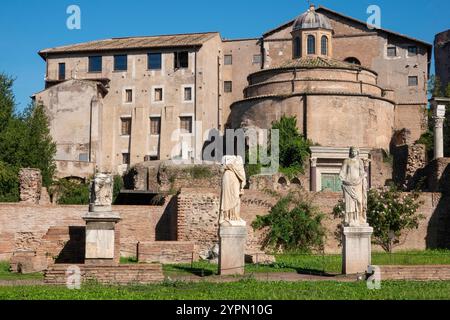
(179, 40)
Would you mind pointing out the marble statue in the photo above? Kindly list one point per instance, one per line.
(354, 186)
(233, 183)
(102, 191)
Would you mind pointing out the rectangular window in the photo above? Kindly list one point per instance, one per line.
(126, 126)
(187, 94)
(391, 51)
(83, 157)
(121, 63)
(126, 158)
(186, 124)
(95, 64)
(412, 51)
(181, 60)
(128, 96)
(155, 126)
(228, 59)
(228, 86)
(154, 61)
(413, 81)
(62, 71)
(158, 95)
(256, 59)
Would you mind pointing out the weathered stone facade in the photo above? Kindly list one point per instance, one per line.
(442, 57)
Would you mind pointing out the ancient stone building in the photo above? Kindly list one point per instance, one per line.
(116, 103)
(442, 57)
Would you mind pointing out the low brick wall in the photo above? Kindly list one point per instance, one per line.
(122, 274)
(417, 273)
(167, 252)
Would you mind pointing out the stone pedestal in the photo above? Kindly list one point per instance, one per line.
(356, 249)
(101, 241)
(232, 248)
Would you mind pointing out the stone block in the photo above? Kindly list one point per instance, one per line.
(356, 250)
(232, 249)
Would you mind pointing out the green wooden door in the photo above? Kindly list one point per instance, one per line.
(331, 182)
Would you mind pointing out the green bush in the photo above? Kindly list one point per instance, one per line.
(71, 192)
(391, 213)
(293, 224)
(118, 186)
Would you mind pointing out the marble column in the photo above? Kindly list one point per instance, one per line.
(438, 105)
(313, 177)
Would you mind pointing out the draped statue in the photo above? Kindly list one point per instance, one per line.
(233, 183)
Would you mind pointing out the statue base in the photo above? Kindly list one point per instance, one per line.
(102, 239)
(232, 236)
(356, 249)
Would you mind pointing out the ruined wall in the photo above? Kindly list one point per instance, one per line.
(26, 227)
(199, 214)
(439, 177)
(30, 181)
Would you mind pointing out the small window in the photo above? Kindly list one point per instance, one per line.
(412, 51)
(155, 126)
(62, 71)
(186, 124)
(121, 63)
(311, 44)
(158, 95)
(324, 45)
(353, 60)
(413, 81)
(256, 59)
(187, 94)
(228, 86)
(297, 47)
(126, 158)
(128, 96)
(83, 157)
(154, 61)
(181, 60)
(95, 64)
(126, 126)
(228, 59)
(391, 51)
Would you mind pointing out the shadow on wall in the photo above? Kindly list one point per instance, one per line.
(438, 232)
(166, 228)
(74, 249)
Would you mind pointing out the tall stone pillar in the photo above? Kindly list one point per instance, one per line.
(313, 177)
(102, 241)
(438, 106)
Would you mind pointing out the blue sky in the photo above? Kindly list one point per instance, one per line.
(29, 25)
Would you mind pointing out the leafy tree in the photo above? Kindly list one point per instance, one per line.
(7, 101)
(70, 192)
(391, 213)
(9, 183)
(293, 224)
(294, 148)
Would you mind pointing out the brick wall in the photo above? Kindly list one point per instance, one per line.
(439, 179)
(26, 227)
(167, 252)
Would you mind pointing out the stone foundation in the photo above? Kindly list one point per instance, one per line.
(121, 275)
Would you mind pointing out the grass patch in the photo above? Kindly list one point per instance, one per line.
(5, 274)
(242, 290)
(316, 264)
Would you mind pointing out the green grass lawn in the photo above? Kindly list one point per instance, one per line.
(242, 290)
(316, 264)
(6, 275)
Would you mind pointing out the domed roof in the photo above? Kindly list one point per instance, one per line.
(312, 20)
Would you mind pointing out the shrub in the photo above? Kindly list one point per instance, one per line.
(293, 224)
(71, 192)
(118, 186)
(390, 213)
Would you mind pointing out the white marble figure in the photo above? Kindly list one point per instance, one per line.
(354, 186)
(102, 190)
(233, 183)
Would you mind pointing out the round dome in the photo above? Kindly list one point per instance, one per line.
(312, 20)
